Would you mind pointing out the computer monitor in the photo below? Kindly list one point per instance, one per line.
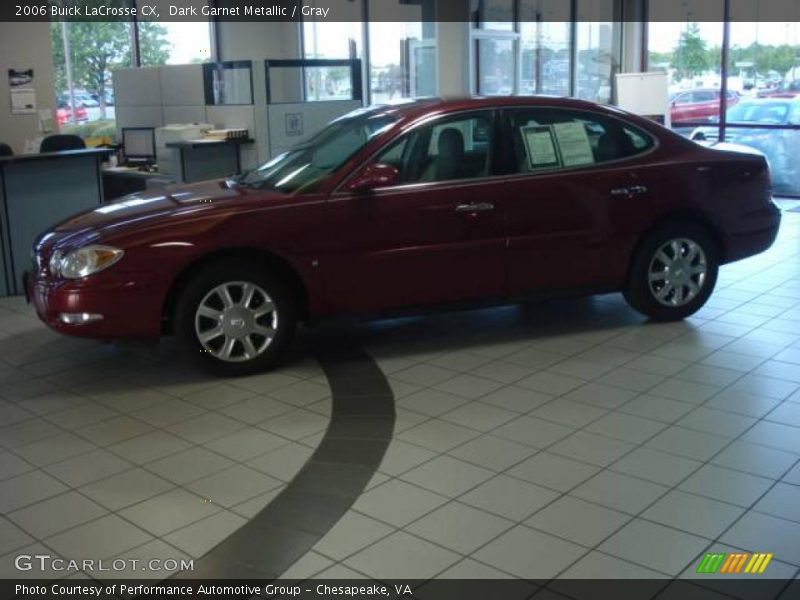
(139, 144)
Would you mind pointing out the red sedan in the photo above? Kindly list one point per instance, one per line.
(64, 115)
(436, 202)
(697, 106)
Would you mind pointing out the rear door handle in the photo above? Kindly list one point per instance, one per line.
(475, 207)
(637, 190)
(634, 190)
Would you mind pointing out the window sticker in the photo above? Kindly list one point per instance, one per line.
(540, 145)
(573, 144)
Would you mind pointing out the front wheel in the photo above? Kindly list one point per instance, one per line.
(235, 320)
(673, 272)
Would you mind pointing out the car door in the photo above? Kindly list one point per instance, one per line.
(704, 106)
(576, 198)
(434, 235)
(680, 107)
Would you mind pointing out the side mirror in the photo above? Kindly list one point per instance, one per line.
(374, 176)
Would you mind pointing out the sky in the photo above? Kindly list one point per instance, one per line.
(190, 40)
(663, 37)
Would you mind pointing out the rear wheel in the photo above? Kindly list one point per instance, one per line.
(236, 320)
(673, 272)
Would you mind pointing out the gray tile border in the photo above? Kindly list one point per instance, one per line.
(328, 484)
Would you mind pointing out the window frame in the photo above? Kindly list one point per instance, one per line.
(496, 158)
(507, 144)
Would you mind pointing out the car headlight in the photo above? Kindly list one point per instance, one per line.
(87, 261)
(55, 262)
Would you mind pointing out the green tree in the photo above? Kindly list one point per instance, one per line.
(766, 58)
(97, 48)
(691, 57)
(154, 46)
(660, 59)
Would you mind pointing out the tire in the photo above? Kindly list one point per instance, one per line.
(250, 337)
(691, 278)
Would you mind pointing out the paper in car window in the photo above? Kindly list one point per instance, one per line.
(540, 146)
(574, 144)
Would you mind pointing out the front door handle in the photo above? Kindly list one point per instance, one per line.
(475, 207)
(634, 190)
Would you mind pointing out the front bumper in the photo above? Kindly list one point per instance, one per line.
(127, 308)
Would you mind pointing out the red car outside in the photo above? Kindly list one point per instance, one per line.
(393, 208)
(697, 106)
(64, 115)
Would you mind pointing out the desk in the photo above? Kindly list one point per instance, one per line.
(199, 160)
(36, 192)
(121, 181)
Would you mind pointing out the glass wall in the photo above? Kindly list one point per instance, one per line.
(546, 66)
(764, 69)
(495, 66)
(400, 65)
(598, 49)
(172, 43)
(86, 54)
(495, 47)
(762, 76)
(525, 47)
(401, 61)
(690, 51)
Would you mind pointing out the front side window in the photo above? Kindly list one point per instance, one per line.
(699, 97)
(304, 168)
(451, 149)
(547, 139)
(683, 99)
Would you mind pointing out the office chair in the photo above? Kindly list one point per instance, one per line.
(5, 150)
(60, 142)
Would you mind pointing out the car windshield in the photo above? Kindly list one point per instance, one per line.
(304, 167)
(755, 112)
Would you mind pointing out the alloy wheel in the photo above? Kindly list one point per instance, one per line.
(677, 272)
(236, 321)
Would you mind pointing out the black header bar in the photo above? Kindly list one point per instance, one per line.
(379, 11)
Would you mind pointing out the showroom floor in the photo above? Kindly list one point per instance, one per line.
(568, 439)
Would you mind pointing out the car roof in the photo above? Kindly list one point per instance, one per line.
(413, 109)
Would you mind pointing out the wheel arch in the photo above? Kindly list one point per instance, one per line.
(692, 216)
(270, 261)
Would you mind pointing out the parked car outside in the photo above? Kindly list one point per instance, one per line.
(696, 106)
(789, 89)
(400, 208)
(766, 124)
(64, 114)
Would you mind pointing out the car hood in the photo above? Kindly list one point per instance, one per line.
(161, 206)
(144, 205)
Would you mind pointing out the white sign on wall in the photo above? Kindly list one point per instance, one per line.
(23, 101)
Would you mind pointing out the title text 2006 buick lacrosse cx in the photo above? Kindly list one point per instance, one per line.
(430, 202)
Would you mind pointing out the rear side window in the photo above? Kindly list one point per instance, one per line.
(550, 139)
